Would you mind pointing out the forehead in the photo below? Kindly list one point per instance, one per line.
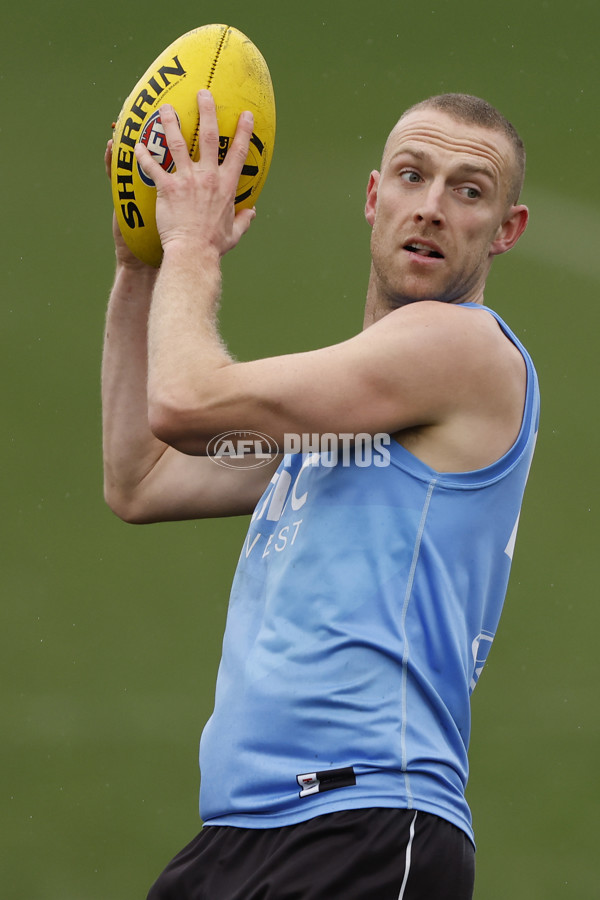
(437, 136)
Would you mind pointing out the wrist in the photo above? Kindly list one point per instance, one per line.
(135, 275)
(187, 254)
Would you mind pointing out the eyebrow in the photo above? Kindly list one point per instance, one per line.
(477, 169)
(468, 168)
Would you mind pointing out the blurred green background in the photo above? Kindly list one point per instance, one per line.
(111, 633)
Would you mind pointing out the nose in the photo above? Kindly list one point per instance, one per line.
(429, 209)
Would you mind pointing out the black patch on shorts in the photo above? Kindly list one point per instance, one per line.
(329, 780)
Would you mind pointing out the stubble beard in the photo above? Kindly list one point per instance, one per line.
(396, 287)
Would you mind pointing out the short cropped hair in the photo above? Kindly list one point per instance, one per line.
(475, 111)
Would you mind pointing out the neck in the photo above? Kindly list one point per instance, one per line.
(379, 303)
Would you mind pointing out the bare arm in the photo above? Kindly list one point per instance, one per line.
(447, 384)
(145, 480)
(428, 373)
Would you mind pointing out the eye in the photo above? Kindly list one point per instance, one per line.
(471, 193)
(410, 176)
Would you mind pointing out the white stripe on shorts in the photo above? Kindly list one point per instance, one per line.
(408, 856)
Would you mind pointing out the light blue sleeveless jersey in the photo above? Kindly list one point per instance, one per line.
(364, 605)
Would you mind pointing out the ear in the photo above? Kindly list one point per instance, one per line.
(511, 230)
(371, 203)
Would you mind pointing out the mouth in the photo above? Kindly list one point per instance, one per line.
(429, 251)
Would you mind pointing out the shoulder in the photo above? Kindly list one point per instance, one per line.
(460, 353)
(474, 378)
(452, 339)
(444, 319)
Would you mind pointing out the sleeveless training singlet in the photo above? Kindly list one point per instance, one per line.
(364, 605)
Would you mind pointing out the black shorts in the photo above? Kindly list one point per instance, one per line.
(364, 854)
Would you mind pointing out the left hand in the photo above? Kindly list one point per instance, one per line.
(195, 204)
(123, 254)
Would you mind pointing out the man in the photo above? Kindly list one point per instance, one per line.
(368, 591)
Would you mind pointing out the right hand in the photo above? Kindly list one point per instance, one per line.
(195, 204)
(124, 255)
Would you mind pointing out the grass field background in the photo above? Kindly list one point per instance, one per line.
(111, 633)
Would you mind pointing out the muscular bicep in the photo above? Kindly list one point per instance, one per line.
(403, 371)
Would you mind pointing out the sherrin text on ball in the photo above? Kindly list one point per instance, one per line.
(214, 57)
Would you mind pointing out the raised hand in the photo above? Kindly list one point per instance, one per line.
(195, 203)
(124, 255)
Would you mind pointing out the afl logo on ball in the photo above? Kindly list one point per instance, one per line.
(153, 136)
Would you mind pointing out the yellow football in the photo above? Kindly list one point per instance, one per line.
(222, 60)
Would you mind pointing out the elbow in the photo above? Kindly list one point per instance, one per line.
(165, 420)
(180, 426)
(125, 507)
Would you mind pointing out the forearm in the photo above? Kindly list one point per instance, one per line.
(130, 449)
(198, 225)
(145, 479)
(185, 350)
